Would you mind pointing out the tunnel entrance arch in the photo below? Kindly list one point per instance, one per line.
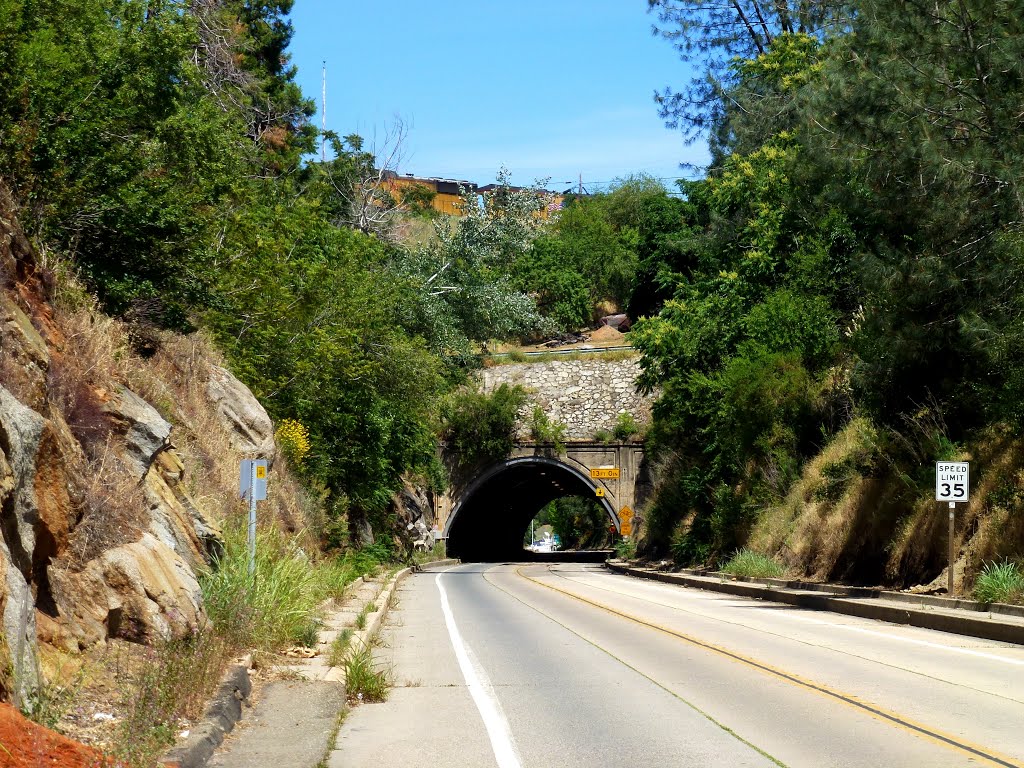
(492, 513)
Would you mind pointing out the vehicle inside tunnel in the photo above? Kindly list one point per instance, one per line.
(494, 512)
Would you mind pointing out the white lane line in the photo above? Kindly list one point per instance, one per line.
(925, 643)
(805, 619)
(481, 691)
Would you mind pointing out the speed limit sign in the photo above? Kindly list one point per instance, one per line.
(952, 481)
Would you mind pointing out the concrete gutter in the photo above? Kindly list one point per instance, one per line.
(1004, 623)
(224, 710)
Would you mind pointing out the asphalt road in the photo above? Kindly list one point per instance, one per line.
(569, 665)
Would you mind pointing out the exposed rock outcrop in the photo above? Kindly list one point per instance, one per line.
(414, 512)
(143, 591)
(251, 430)
(95, 543)
(144, 431)
(21, 430)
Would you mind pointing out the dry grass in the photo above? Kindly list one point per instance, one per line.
(810, 529)
(846, 519)
(989, 528)
(114, 507)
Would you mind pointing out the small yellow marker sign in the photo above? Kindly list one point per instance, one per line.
(626, 521)
(604, 473)
(599, 492)
(261, 472)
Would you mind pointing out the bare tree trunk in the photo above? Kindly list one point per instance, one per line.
(750, 29)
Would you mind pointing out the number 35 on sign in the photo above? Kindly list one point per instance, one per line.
(952, 481)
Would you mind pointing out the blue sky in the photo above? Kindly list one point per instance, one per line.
(547, 89)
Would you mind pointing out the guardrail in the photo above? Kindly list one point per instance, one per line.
(571, 351)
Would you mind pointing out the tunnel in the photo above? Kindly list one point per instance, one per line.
(488, 522)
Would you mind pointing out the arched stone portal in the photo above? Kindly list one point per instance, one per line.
(489, 517)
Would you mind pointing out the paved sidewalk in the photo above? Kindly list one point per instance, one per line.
(293, 723)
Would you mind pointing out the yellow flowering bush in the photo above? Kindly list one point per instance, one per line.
(293, 439)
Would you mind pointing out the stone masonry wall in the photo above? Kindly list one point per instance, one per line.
(585, 395)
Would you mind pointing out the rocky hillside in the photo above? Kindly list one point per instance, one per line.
(115, 471)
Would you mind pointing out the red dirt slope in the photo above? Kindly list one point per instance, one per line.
(23, 744)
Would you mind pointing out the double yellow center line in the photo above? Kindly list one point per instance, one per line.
(932, 734)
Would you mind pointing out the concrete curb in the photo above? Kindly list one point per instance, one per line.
(434, 563)
(223, 712)
(382, 601)
(851, 601)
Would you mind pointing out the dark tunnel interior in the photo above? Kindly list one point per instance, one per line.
(495, 511)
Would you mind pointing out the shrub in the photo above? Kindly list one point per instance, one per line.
(293, 440)
(625, 548)
(545, 431)
(481, 427)
(1000, 583)
(625, 427)
(752, 564)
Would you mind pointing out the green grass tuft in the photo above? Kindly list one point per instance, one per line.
(364, 681)
(339, 647)
(1000, 583)
(753, 565)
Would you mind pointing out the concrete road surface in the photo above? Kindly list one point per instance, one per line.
(569, 665)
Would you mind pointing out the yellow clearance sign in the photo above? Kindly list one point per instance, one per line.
(605, 473)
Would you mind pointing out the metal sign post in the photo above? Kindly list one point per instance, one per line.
(252, 483)
(952, 484)
(952, 554)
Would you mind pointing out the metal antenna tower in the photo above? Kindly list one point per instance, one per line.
(323, 116)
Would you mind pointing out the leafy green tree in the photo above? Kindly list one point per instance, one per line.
(113, 147)
(579, 523)
(479, 427)
(743, 349)
(312, 322)
(461, 281)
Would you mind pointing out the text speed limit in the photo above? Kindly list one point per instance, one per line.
(952, 481)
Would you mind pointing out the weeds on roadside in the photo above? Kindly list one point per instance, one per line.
(54, 696)
(752, 564)
(361, 620)
(278, 605)
(625, 548)
(364, 680)
(437, 552)
(1000, 583)
(175, 682)
(336, 656)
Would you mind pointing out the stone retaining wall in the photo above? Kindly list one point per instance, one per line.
(585, 395)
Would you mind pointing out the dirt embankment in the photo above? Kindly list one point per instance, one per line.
(23, 744)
